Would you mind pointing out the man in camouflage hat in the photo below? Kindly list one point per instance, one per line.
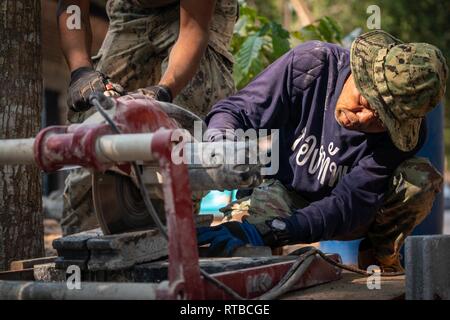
(171, 50)
(402, 82)
(350, 122)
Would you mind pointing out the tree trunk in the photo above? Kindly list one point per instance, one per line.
(21, 226)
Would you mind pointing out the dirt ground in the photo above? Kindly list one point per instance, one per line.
(352, 286)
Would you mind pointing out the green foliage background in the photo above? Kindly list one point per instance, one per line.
(411, 21)
(261, 41)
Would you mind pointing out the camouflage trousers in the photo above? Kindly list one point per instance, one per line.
(408, 200)
(135, 54)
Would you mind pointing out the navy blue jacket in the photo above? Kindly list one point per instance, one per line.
(342, 173)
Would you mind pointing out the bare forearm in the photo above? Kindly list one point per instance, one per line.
(75, 42)
(184, 61)
(185, 57)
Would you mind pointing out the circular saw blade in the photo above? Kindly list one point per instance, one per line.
(119, 206)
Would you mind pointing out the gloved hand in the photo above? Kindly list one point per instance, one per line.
(224, 239)
(85, 81)
(159, 92)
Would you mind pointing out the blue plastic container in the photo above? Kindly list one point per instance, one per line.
(215, 200)
(434, 151)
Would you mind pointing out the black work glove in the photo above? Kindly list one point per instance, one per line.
(159, 92)
(85, 81)
(277, 232)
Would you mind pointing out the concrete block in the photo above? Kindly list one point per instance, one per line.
(121, 251)
(72, 249)
(427, 262)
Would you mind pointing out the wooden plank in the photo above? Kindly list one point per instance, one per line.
(20, 275)
(30, 263)
(303, 12)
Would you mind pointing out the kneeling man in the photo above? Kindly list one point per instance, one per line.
(350, 122)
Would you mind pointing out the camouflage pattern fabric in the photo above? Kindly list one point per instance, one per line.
(135, 54)
(78, 213)
(408, 200)
(401, 81)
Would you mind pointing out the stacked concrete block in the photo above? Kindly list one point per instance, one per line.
(427, 262)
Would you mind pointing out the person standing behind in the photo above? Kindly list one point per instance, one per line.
(173, 51)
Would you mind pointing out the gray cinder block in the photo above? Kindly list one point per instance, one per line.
(427, 262)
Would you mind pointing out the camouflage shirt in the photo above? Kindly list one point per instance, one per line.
(222, 24)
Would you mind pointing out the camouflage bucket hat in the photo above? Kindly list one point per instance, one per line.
(401, 82)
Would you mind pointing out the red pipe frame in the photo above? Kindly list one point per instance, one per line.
(75, 145)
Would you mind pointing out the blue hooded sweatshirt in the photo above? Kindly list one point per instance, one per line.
(342, 173)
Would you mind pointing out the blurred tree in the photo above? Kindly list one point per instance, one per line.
(21, 227)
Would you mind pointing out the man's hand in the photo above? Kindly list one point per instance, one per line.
(160, 93)
(224, 239)
(85, 81)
